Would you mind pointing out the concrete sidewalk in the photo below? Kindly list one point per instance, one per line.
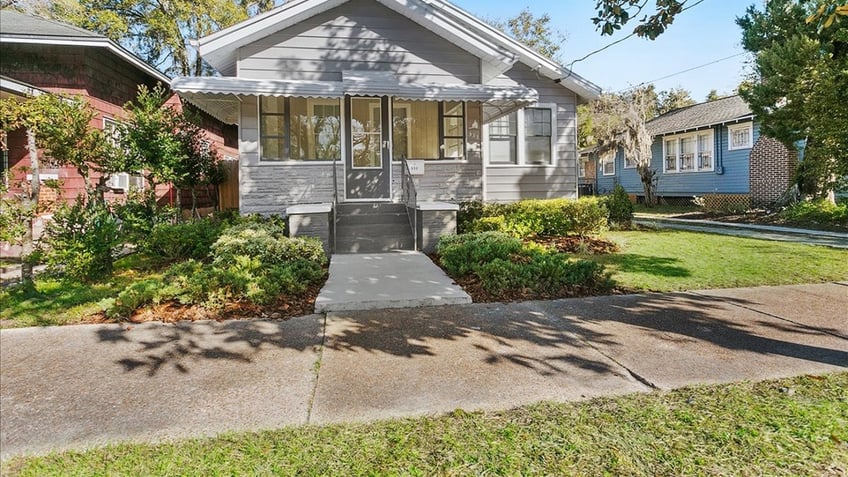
(764, 232)
(80, 386)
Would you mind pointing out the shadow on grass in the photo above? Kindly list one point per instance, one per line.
(658, 266)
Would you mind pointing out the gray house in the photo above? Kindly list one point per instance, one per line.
(362, 109)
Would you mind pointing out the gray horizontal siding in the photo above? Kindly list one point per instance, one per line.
(533, 182)
(359, 35)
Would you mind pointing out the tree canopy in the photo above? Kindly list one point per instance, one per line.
(614, 14)
(159, 32)
(799, 85)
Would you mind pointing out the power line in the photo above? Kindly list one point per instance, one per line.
(682, 71)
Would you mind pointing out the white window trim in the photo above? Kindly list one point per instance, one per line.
(738, 127)
(521, 140)
(603, 162)
(694, 136)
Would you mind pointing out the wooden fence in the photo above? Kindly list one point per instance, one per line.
(229, 190)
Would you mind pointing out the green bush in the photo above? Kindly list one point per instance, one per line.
(464, 253)
(504, 264)
(620, 207)
(183, 240)
(81, 240)
(529, 218)
(266, 242)
(137, 295)
(139, 214)
(817, 212)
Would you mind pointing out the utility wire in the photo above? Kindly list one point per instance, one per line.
(682, 71)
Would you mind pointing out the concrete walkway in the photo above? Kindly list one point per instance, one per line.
(764, 232)
(80, 386)
(399, 279)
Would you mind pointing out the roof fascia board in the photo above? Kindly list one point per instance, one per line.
(92, 42)
(527, 56)
(740, 119)
(22, 89)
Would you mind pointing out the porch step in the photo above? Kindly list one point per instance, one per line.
(372, 228)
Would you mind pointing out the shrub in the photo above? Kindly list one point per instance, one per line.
(266, 242)
(529, 218)
(139, 214)
(135, 296)
(81, 241)
(184, 240)
(464, 253)
(620, 207)
(817, 212)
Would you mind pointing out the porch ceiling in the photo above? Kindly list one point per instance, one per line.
(220, 96)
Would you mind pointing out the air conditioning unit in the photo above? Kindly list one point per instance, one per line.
(119, 181)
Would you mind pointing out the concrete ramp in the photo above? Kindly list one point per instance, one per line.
(401, 279)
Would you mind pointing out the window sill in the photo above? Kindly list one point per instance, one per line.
(740, 148)
(689, 172)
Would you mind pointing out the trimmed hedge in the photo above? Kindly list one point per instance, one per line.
(531, 218)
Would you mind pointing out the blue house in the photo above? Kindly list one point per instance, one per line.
(708, 149)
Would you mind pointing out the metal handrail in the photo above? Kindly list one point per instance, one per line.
(409, 197)
(335, 202)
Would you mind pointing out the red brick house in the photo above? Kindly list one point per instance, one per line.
(41, 56)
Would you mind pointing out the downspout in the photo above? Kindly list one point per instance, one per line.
(719, 168)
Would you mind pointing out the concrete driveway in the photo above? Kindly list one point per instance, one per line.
(81, 386)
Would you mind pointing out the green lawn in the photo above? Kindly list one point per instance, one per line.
(791, 427)
(667, 260)
(54, 302)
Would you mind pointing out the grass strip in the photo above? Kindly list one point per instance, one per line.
(796, 426)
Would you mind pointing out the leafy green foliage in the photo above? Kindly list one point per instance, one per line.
(265, 242)
(534, 32)
(529, 218)
(620, 207)
(159, 32)
(799, 89)
(613, 14)
(505, 264)
(81, 241)
(139, 214)
(817, 212)
(252, 261)
(183, 240)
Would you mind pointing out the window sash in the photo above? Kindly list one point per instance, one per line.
(689, 153)
(740, 136)
(503, 140)
(452, 130)
(538, 135)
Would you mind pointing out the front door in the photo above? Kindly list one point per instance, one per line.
(367, 161)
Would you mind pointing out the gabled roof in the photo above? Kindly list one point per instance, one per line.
(17, 27)
(497, 51)
(721, 111)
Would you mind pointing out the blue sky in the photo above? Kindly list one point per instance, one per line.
(704, 33)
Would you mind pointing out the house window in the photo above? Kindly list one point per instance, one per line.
(538, 134)
(629, 162)
(741, 136)
(453, 130)
(691, 152)
(522, 138)
(122, 181)
(272, 128)
(299, 129)
(415, 130)
(608, 165)
(582, 167)
(503, 140)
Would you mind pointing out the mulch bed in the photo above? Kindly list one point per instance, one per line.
(577, 244)
(287, 307)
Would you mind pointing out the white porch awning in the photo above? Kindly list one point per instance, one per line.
(221, 96)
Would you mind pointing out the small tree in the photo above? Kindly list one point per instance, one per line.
(619, 124)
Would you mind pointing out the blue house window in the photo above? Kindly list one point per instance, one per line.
(741, 136)
(692, 152)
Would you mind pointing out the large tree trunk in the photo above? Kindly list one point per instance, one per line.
(27, 246)
(646, 175)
